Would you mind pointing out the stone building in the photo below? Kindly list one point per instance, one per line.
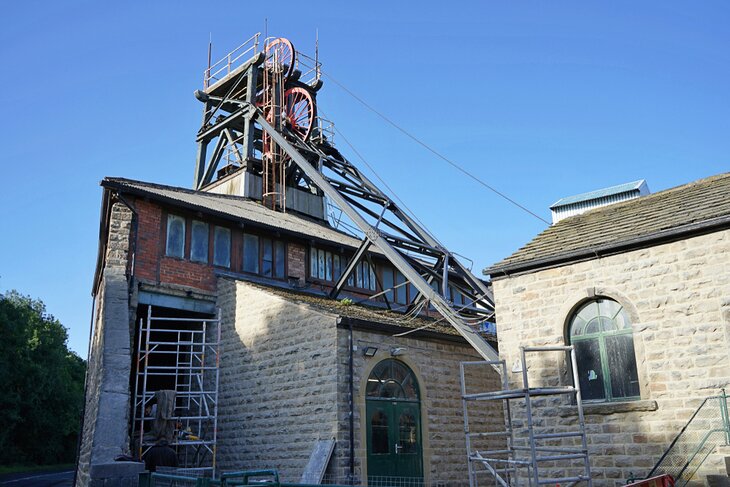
(293, 367)
(641, 288)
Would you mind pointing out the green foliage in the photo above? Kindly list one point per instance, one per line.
(41, 385)
(346, 302)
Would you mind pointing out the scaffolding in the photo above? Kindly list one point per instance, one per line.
(529, 445)
(180, 355)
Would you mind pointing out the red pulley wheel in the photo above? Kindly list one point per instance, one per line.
(300, 111)
(280, 52)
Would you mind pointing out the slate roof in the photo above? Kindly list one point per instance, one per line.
(599, 193)
(701, 206)
(234, 208)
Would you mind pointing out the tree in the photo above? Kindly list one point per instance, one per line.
(41, 385)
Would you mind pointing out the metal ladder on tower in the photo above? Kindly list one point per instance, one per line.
(518, 454)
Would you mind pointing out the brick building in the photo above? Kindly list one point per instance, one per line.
(293, 366)
(641, 288)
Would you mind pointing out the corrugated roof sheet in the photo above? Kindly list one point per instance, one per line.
(689, 208)
(235, 208)
(599, 193)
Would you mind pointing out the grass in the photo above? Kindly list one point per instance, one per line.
(7, 469)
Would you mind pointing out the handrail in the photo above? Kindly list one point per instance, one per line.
(230, 59)
(721, 424)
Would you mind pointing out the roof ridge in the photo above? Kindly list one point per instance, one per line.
(596, 194)
(687, 206)
(647, 197)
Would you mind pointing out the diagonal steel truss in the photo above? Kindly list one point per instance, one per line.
(314, 165)
(427, 265)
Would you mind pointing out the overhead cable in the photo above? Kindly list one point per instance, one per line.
(434, 151)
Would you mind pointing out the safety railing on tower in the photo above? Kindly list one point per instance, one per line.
(231, 61)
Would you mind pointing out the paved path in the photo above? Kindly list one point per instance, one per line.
(38, 479)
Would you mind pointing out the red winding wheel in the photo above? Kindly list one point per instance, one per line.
(281, 52)
(300, 111)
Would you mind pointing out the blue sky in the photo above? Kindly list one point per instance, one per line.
(539, 99)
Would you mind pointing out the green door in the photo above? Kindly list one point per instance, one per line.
(393, 424)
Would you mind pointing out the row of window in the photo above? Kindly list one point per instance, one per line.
(329, 266)
(261, 255)
(267, 257)
(199, 241)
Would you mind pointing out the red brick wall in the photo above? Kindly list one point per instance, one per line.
(184, 273)
(297, 261)
(148, 240)
(152, 264)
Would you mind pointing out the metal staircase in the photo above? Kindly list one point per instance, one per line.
(707, 429)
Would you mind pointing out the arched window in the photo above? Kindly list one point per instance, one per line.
(601, 332)
(391, 379)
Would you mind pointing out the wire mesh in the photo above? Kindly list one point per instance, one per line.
(706, 430)
(382, 481)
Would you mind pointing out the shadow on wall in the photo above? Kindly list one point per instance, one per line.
(278, 380)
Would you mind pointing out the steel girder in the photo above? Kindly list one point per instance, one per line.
(411, 253)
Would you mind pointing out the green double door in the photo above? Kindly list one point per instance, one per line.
(394, 439)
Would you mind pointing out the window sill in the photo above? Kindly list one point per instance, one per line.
(606, 408)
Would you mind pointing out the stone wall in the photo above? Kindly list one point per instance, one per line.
(678, 297)
(284, 384)
(278, 388)
(436, 365)
(104, 432)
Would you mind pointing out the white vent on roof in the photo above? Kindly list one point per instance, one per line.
(580, 203)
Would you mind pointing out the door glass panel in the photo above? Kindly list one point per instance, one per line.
(379, 432)
(588, 355)
(407, 433)
(391, 379)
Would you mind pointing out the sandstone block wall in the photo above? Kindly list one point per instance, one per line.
(278, 387)
(678, 296)
(104, 433)
(436, 365)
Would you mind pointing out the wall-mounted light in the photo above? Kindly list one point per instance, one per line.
(394, 352)
(369, 351)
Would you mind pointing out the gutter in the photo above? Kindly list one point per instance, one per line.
(663, 236)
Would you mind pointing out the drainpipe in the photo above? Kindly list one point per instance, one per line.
(352, 410)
